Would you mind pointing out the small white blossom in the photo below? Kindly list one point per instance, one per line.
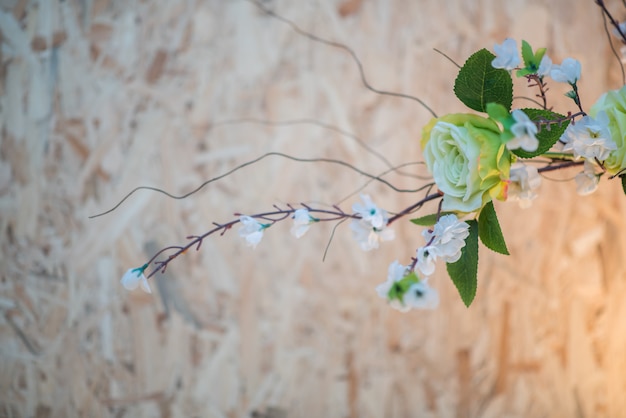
(544, 66)
(445, 241)
(252, 230)
(524, 130)
(589, 138)
(302, 221)
(134, 278)
(567, 72)
(587, 181)
(524, 180)
(370, 212)
(421, 296)
(395, 273)
(372, 227)
(448, 238)
(426, 258)
(507, 56)
(368, 236)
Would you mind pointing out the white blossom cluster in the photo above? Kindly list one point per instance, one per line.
(419, 295)
(445, 241)
(588, 138)
(507, 58)
(523, 182)
(369, 226)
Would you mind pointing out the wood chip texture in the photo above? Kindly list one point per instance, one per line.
(98, 97)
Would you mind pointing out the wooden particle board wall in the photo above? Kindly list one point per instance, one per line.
(98, 97)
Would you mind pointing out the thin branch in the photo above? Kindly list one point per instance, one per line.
(272, 217)
(446, 56)
(315, 38)
(615, 54)
(323, 125)
(364, 185)
(246, 164)
(415, 206)
(560, 166)
(614, 22)
(529, 99)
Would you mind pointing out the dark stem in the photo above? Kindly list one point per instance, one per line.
(272, 217)
(614, 22)
(415, 206)
(315, 38)
(542, 88)
(553, 167)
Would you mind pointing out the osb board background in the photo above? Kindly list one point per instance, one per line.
(101, 96)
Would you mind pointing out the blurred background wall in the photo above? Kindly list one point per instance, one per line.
(101, 96)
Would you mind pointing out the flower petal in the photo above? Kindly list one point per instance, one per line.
(143, 282)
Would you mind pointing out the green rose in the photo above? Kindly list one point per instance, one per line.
(467, 159)
(613, 104)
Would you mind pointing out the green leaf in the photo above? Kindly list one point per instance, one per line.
(524, 72)
(548, 134)
(478, 83)
(623, 177)
(465, 271)
(400, 287)
(527, 54)
(539, 56)
(489, 230)
(571, 94)
(498, 112)
(531, 61)
(428, 220)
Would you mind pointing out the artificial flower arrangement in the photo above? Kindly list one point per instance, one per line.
(474, 159)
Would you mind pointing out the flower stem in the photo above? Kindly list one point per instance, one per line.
(565, 164)
(558, 156)
(335, 214)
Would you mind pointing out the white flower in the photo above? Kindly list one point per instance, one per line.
(445, 241)
(302, 221)
(252, 230)
(372, 227)
(524, 180)
(587, 181)
(506, 55)
(544, 66)
(370, 212)
(426, 257)
(447, 238)
(395, 273)
(524, 130)
(134, 278)
(421, 296)
(368, 236)
(567, 72)
(589, 138)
